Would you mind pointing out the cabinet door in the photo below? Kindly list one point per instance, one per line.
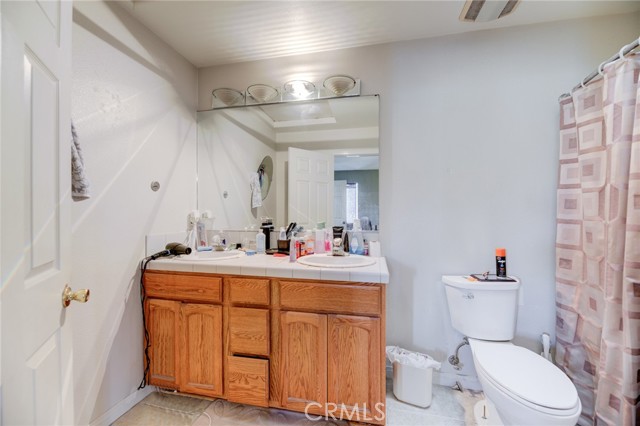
(201, 349)
(163, 326)
(303, 361)
(355, 369)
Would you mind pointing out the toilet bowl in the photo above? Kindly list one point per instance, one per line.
(525, 388)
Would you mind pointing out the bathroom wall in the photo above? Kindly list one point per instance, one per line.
(231, 146)
(468, 158)
(133, 104)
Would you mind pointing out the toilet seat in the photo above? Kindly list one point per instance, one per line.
(525, 377)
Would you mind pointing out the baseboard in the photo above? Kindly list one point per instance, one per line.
(121, 407)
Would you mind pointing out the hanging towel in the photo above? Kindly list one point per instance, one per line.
(256, 191)
(79, 182)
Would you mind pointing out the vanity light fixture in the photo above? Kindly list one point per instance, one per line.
(292, 91)
(300, 89)
(339, 84)
(262, 92)
(228, 97)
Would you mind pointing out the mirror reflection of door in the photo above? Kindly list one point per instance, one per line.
(310, 187)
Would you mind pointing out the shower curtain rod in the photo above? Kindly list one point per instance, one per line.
(624, 51)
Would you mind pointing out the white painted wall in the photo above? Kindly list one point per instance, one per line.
(468, 158)
(133, 103)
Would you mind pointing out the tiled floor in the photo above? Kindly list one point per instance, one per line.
(448, 407)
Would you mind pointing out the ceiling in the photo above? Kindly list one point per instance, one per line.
(211, 33)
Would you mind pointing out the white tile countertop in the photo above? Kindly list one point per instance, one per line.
(263, 265)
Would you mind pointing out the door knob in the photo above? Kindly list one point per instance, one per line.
(69, 295)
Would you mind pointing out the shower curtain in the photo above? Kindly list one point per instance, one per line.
(598, 245)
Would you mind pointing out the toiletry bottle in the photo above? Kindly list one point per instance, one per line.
(202, 234)
(327, 241)
(293, 253)
(501, 263)
(319, 241)
(283, 234)
(298, 247)
(346, 242)
(310, 243)
(353, 244)
(337, 231)
(260, 242)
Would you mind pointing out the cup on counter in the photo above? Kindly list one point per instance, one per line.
(283, 246)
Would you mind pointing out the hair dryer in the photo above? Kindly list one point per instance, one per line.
(177, 248)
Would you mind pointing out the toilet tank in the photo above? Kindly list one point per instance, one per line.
(482, 310)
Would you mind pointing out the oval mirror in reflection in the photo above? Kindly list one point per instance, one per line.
(265, 173)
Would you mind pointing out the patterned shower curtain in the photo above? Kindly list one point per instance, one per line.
(598, 245)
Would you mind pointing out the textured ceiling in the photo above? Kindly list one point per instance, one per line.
(220, 32)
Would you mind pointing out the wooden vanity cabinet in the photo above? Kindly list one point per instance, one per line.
(331, 361)
(163, 319)
(301, 345)
(303, 357)
(184, 320)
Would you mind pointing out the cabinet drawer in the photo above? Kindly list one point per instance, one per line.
(249, 291)
(190, 288)
(249, 331)
(248, 381)
(334, 298)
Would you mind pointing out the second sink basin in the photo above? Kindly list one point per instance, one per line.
(329, 261)
(211, 255)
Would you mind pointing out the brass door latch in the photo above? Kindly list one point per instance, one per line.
(69, 295)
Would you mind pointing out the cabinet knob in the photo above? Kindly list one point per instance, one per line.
(69, 295)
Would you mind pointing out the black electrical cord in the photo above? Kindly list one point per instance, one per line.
(143, 298)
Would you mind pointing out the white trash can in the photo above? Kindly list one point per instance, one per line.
(412, 375)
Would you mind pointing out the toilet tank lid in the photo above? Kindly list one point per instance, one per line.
(463, 282)
(525, 374)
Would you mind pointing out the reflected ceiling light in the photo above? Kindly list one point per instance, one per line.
(262, 92)
(299, 88)
(228, 97)
(339, 84)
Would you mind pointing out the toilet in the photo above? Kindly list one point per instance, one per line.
(524, 387)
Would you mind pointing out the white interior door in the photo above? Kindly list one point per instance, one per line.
(339, 203)
(37, 382)
(310, 187)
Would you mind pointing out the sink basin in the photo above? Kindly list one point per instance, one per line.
(211, 255)
(328, 261)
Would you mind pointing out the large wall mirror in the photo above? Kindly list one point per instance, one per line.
(326, 156)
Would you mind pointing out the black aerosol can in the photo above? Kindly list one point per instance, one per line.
(501, 263)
